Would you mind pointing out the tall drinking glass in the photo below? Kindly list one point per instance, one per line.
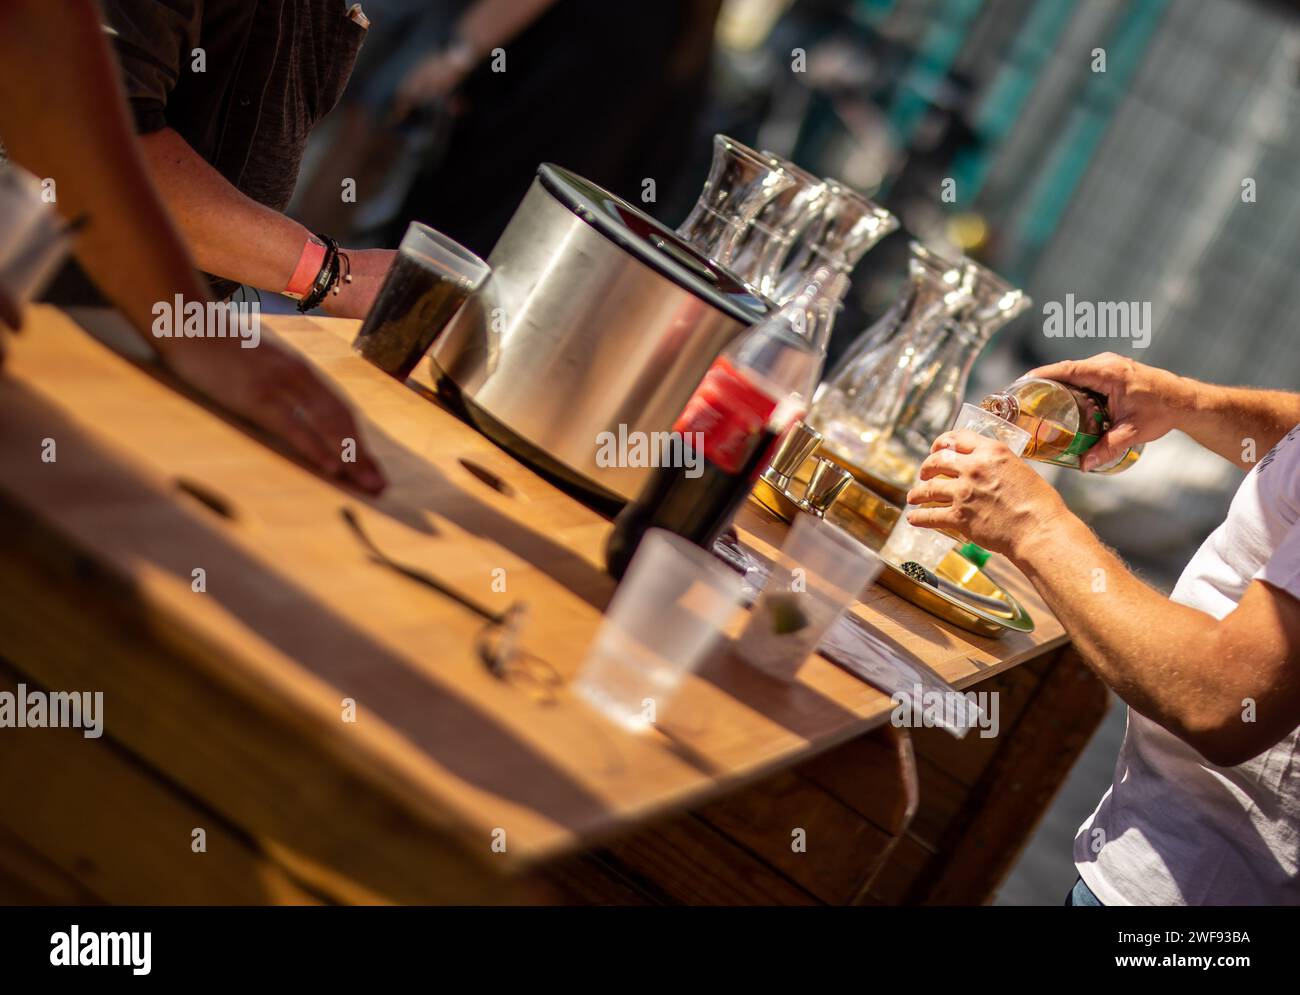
(928, 547)
(431, 277)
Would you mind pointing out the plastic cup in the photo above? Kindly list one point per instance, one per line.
(819, 573)
(909, 544)
(429, 280)
(928, 547)
(672, 604)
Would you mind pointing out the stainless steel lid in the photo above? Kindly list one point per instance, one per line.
(653, 244)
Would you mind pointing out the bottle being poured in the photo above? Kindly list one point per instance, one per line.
(754, 391)
(1063, 422)
(1039, 419)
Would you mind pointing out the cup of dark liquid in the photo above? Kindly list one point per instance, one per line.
(430, 279)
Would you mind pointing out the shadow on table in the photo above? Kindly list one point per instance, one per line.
(159, 532)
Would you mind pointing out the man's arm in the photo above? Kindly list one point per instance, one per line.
(1179, 667)
(78, 132)
(72, 126)
(216, 218)
(1240, 424)
(1182, 668)
(234, 236)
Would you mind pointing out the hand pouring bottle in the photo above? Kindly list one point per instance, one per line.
(1063, 421)
(755, 390)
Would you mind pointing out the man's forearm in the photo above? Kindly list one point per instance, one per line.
(129, 246)
(1171, 663)
(1241, 424)
(230, 234)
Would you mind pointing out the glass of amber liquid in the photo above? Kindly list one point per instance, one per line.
(928, 547)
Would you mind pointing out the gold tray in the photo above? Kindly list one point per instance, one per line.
(869, 518)
(952, 608)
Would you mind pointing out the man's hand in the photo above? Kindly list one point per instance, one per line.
(1238, 423)
(1179, 667)
(131, 248)
(278, 392)
(354, 300)
(1144, 402)
(983, 491)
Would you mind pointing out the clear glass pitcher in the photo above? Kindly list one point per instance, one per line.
(938, 386)
(741, 183)
(771, 236)
(859, 404)
(847, 226)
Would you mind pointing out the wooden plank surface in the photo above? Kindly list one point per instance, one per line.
(974, 819)
(295, 617)
(123, 835)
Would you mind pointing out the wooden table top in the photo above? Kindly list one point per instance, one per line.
(296, 618)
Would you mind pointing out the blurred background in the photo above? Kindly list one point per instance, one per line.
(1126, 183)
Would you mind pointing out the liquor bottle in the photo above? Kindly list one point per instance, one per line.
(755, 390)
(1063, 421)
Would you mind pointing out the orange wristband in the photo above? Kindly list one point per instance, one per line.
(309, 264)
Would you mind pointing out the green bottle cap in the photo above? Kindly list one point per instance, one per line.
(976, 554)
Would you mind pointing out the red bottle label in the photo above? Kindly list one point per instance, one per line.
(730, 412)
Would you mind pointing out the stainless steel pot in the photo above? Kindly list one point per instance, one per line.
(595, 319)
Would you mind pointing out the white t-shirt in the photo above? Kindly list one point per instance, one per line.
(1175, 829)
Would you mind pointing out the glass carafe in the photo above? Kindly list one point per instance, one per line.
(859, 404)
(939, 384)
(765, 245)
(741, 183)
(870, 342)
(847, 226)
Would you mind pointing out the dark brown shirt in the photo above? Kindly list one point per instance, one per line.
(242, 81)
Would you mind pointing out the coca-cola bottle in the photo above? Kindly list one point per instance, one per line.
(756, 389)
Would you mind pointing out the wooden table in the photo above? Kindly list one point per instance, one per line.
(330, 728)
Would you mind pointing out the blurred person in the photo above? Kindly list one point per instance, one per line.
(417, 54)
(224, 94)
(79, 133)
(610, 91)
(485, 25)
(1205, 804)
